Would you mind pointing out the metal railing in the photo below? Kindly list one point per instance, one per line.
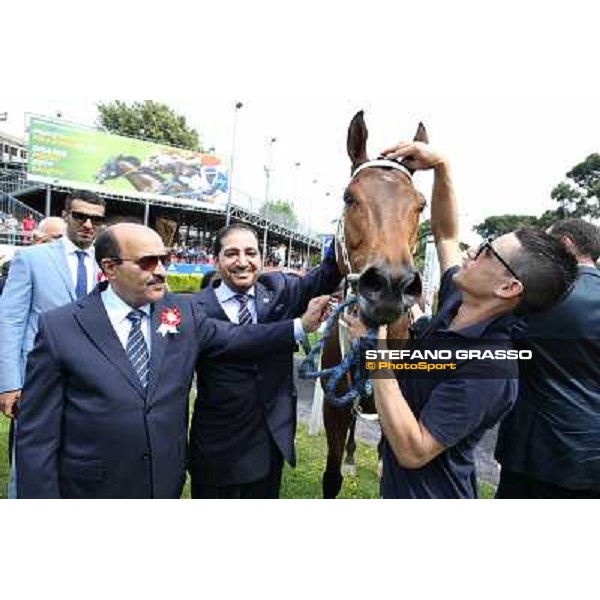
(12, 213)
(12, 180)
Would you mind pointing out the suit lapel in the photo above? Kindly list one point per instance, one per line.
(211, 305)
(58, 256)
(95, 322)
(159, 345)
(264, 299)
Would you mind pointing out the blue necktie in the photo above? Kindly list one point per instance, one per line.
(244, 315)
(137, 351)
(81, 286)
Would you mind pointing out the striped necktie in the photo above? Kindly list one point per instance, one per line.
(137, 351)
(244, 316)
(81, 285)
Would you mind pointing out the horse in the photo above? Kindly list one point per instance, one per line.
(142, 179)
(376, 234)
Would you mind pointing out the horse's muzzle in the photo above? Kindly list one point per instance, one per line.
(383, 298)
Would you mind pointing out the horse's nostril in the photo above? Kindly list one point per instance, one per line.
(371, 283)
(414, 286)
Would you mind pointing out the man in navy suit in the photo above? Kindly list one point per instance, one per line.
(549, 445)
(42, 278)
(244, 419)
(103, 412)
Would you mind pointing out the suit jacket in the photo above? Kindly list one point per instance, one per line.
(39, 280)
(87, 429)
(243, 408)
(553, 432)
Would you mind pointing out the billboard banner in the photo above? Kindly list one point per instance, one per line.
(62, 153)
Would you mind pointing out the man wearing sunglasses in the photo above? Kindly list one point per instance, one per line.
(432, 425)
(41, 278)
(105, 402)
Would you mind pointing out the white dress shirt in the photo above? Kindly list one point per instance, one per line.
(230, 305)
(71, 252)
(228, 301)
(118, 310)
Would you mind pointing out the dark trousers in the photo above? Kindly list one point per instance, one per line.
(516, 486)
(266, 488)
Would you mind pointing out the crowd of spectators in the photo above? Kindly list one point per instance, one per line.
(195, 255)
(11, 229)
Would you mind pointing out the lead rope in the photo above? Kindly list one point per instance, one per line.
(350, 364)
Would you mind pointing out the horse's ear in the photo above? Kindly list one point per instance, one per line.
(421, 135)
(357, 139)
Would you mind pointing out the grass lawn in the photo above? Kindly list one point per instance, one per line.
(302, 482)
(305, 480)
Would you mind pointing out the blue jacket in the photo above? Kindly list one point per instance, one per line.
(243, 407)
(87, 429)
(39, 280)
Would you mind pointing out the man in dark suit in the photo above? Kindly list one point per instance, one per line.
(103, 412)
(549, 445)
(244, 419)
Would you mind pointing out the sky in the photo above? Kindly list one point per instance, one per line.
(507, 90)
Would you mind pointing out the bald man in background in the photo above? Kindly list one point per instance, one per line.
(49, 229)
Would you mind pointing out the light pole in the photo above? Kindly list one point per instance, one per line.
(294, 193)
(238, 105)
(268, 170)
(315, 181)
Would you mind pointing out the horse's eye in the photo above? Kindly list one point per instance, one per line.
(349, 199)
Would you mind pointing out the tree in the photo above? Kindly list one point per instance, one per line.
(422, 235)
(148, 120)
(280, 211)
(580, 197)
(501, 224)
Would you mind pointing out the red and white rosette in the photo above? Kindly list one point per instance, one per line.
(170, 320)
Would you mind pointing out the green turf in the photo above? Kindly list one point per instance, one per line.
(302, 482)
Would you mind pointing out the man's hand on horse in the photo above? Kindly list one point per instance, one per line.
(415, 155)
(316, 313)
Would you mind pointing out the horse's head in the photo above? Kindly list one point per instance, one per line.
(379, 229)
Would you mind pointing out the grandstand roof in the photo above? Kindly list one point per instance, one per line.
(13, 139)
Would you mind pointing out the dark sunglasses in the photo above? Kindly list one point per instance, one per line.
(81, 218)
(146, 263)
(489, 249)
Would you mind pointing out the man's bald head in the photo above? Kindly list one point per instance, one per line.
(132, 257)
(49, 229)
(116, 240)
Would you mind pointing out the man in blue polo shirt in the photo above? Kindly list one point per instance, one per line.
(431, 426)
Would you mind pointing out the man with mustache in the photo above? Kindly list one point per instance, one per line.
(244, 419)
(104, 408)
